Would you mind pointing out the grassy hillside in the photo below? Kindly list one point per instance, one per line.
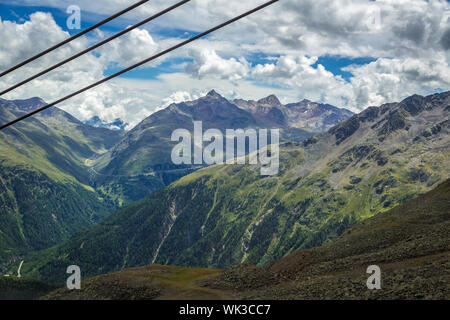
(153, 282)
(59, 175)
(45, 192)
(22, 289)
(223, 215)
(410, 244)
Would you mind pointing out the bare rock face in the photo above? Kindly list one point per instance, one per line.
(304, 114)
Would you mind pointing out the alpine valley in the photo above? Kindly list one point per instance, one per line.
(59, 175)
(409, 243)
(222, 215)
(45, 191)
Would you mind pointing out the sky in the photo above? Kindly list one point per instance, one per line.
(349, 53)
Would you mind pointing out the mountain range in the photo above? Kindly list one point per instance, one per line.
(304, 114)
(59, 175)
(141, 160)
(227, 214)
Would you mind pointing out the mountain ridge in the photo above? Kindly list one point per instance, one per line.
(303, 114)
(223, 215)
(146, 149)
(45, 194)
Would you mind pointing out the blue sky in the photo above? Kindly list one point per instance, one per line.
(349, 53)
(20, 14)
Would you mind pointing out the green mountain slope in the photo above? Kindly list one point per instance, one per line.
(45, 195)
(409, 243)
(223, 215)
(59, 174)
(142, 159)
(22, 289)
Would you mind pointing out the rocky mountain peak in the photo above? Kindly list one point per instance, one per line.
(213, 94)
(270, 100)
(30, 104)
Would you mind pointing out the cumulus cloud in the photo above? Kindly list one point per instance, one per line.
(387, 80)
(384, 80)
(115, 99)
(21, 41)
(309, 81)
(180, 96)
(132, 48)
(288, 67)
(313, 27)
(359, 27)
(408, 39)
(207, 62)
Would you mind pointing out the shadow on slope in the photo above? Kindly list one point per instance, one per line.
(410, 243)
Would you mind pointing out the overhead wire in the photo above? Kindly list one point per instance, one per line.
(76, 36)
(160, 54)
(127, 30)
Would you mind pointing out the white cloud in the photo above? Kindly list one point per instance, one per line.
(410, 45)
(308, 27)
(208, 63)
(21, 41)
(180, 96)
(130, 49)
(115, 99)
(309, 81)
(384, 80)
(388, 80)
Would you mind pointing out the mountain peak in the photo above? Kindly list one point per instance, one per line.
(31, 100)
(213, 94)
(271, 100)
(29, 104)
